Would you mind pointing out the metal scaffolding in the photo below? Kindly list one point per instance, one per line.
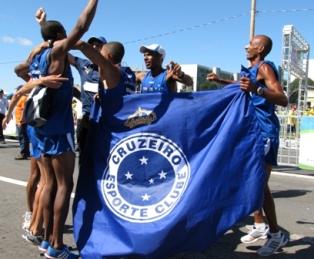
(295, 62)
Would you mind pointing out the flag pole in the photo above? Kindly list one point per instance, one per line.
(252, 23)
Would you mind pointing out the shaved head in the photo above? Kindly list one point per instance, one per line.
(266, 42)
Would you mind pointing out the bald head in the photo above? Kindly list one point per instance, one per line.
(265, 42)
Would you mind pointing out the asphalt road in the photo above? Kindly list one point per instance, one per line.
(294, 197)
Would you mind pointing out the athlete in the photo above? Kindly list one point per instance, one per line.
(261, 81)
(159, 79)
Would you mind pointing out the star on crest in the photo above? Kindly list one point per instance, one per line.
(145, 197)
(143, 160)
(128, 175)
(162, 175)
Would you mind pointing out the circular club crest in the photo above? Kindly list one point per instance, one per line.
(145, 178)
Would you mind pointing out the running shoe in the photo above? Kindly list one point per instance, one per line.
(273, 244)
(43, 247)
(254, 235)
(64, 253)
(34, 239)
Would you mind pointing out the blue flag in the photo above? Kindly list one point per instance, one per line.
(168, 173)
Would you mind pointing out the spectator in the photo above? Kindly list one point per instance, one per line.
(4, 104)
(21, 128)
(292, 119)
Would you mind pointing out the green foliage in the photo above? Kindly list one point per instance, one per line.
(294, 89)
(208, 85)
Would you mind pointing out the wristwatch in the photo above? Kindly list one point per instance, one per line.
(260, 91)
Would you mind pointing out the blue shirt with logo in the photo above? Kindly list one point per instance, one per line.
(152, 84)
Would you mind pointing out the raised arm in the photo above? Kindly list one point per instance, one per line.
(174, 72)
(40, 16)
(79, 29)
(108, 71)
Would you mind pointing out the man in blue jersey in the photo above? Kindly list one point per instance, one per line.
(159, 79)
(56, 136)
(261, 81)
(114, 78)
(89, 75)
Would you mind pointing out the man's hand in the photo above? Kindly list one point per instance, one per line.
(5, 121)
(53, 81)
(212, 77)
(174, 71)
(40, 16)
(247, 85)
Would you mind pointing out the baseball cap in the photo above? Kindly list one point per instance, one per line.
(153, 47)
(99, 39)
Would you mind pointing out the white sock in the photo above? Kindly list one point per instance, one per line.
(260, 226)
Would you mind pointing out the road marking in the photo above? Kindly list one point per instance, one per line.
(13, 181)
(21, 183)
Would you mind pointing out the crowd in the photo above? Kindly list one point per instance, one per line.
(52, 145)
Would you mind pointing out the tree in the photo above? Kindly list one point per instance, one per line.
(294, 89)
(208, 85)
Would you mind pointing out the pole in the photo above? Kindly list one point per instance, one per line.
(252, 24)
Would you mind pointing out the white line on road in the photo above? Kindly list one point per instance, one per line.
(22, 183)
(18, 182)
(13, 181)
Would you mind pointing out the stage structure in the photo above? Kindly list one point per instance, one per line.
(295, 62)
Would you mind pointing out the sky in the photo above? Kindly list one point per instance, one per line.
(205, 32)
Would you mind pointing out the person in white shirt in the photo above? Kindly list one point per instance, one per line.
(4, 104)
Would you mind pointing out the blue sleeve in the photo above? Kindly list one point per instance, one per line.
(79, 64)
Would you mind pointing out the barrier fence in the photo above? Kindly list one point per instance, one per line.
(289, 147)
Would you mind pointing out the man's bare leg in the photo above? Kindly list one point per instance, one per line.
(36, 227)
(63, 168)
(32, 182)
(48, 196)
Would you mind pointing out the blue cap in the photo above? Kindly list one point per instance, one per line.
(99, 39)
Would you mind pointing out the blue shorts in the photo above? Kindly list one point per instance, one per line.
(271, 146)
(56, 144)
(34, 150)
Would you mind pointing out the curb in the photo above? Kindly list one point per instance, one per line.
(297, 175)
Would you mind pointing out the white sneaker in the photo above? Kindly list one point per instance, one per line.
(254, 235)
(273, 244)
(27, 220)
(250, 227)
